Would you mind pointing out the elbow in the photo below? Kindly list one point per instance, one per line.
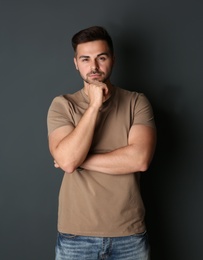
(68, 167)
(144, 162)
(142, 166)
(66, 163)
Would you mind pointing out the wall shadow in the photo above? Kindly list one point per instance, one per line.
(133, 66)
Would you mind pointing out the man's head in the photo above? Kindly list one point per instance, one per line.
(93, 33)
(94, 56)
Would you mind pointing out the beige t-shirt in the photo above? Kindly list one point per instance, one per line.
(94, 203)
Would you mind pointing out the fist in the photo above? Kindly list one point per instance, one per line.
(97, 93)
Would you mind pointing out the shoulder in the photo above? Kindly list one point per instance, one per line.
(132, 96)
(66, 99)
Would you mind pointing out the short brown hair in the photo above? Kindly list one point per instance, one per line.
(92, 34)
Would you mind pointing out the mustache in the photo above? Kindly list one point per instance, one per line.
(95, 72)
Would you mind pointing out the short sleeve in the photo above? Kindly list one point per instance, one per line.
(59, 114)
(143, 113)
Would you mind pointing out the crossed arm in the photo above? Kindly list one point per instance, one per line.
(134, 157)
(70, 146)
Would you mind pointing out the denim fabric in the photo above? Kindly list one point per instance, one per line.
(71, 247)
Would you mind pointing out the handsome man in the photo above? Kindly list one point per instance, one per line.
(102, 137)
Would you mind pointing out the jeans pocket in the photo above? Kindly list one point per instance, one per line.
(140, 234)
(68, 236)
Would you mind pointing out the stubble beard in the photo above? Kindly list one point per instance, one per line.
(103, 80)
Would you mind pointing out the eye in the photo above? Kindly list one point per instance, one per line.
(102, 58)
(85, 60)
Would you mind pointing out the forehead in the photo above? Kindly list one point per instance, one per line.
(92, 48)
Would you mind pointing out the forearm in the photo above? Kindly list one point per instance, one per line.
(72, 150)
(125, 160)
(134, 157)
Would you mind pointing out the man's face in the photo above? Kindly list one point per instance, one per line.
(94, 61)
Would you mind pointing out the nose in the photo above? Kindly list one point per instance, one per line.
(94, 65)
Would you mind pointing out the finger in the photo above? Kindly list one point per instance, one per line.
(56, 164)
(105, 91)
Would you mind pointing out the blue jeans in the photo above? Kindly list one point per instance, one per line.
(71, 247)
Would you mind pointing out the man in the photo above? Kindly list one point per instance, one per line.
(102, 137)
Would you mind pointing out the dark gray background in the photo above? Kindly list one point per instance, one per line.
(159, 52)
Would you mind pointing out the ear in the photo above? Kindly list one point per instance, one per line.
(76, 64)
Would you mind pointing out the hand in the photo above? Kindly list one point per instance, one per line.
(56, 164)
(97, 93)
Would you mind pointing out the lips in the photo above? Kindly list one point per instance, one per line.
(95, 75)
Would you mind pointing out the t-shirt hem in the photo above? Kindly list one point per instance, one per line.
(103, 234)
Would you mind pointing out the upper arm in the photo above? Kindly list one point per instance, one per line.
(57, 136)
(59, 122)
(143, 138)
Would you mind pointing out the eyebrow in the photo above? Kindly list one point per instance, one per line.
(101, 54)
